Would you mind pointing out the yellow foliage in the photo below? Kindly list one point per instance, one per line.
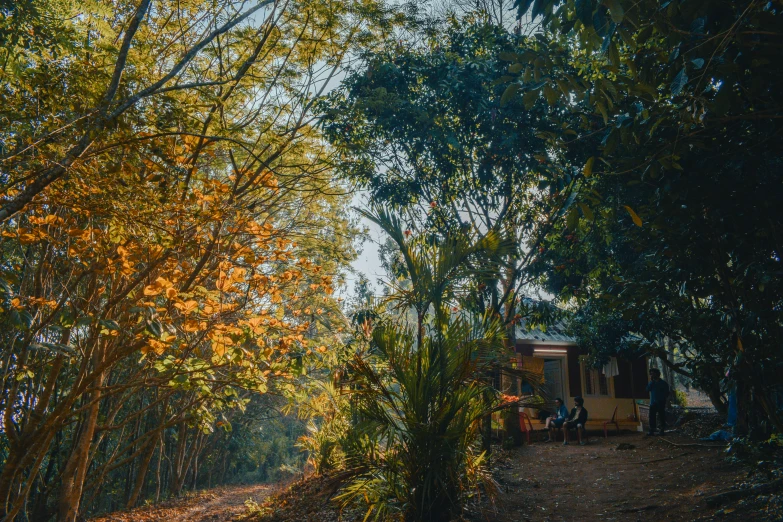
(153, 345)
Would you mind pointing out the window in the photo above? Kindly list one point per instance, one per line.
(595, 381)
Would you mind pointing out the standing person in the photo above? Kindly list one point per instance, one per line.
(557, 419)
(659, 391)
(577, 420)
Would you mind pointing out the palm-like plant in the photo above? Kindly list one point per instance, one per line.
(418, 390)
(323, 440)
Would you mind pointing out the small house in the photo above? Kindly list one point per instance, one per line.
(566, 373)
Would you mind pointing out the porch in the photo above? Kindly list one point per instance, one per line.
(595, 426)
(564, 372)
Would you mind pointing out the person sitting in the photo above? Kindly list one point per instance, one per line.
(577, 420)
(557, 419)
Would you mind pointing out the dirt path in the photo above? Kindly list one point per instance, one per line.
(623, 478)
(215, 505)
(226, 506)
(650, 480)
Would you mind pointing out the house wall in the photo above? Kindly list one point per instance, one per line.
(623, 389)
(602, 407)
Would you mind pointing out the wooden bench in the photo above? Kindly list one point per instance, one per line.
(594, 425)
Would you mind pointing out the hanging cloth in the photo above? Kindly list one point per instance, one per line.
(611, 369)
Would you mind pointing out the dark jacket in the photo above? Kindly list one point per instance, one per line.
(582, 419)
(659, 391)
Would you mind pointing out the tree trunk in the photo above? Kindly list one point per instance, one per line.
(161, 453)
(76, 468)
(183, 460)
(142, 473)
(511, 415)
(25, 447)
(741, 429)
(24, 490)
(716, 398)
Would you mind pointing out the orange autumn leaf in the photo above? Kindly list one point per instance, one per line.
(151, 290)
(192, 325)
(153, 345)
(187, 307)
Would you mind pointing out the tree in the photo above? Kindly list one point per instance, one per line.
(424, 130)
(428, 132)
(171, 234)
(418, 388)
(672, 110)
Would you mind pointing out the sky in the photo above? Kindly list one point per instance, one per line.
(368, 262)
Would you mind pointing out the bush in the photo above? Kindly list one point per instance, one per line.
(679, 398)
(324, 440)
(420, 389)
(421, 406)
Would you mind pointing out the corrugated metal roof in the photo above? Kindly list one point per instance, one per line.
(554, 333)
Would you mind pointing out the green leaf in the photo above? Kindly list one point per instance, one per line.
(529, 99)
(21, 319)
(679, 82)
(602, 110)
(698, 63)
(614, 54)
(588, 213)
(572, 219)
(587, 170)
(584, 12)
(563, 86)
(600, 22)
(154, 327)
(83, 321)
(644, 34)
(616, 10)
(550, 94)
(523, 6)
(627, 37)
(634, 216)
(538, 8)
(55, 347)
(612, 141)
(608, 38)
(509, 93)
(66, 318)
(502, 79)
(109, 324)
(514, 68)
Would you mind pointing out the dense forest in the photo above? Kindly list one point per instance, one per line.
(185, 187)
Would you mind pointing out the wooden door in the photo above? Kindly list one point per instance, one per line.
(553, 379)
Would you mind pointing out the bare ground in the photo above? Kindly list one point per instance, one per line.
(627, 477)
(215, 505)
(623, 478)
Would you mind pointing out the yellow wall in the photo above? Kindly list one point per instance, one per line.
(602, 407)
(598, 407)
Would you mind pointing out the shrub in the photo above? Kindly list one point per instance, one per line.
(679, 398)
(419, 388)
